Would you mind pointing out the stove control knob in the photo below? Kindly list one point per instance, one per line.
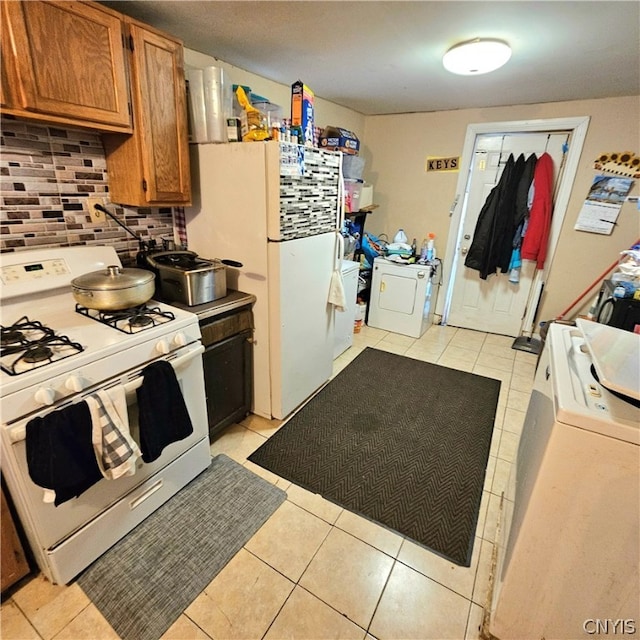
(45, 395)
(74, 383)
(179, 340)
(163, 347)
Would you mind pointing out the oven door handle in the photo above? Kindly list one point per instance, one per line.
(176, 363)
(18, 432)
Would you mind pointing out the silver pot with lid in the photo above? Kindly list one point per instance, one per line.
(114, 288)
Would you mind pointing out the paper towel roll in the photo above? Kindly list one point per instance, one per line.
(214, 91)
(197, 109)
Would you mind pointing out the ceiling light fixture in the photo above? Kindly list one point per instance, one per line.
(475, 57)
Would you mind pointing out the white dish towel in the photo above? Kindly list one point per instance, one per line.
(116, 451)
(336, 291)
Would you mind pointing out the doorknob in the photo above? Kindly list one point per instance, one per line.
(464, 250)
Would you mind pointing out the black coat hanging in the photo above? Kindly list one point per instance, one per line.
(486, 247)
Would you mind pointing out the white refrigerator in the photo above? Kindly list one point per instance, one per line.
(275, 208)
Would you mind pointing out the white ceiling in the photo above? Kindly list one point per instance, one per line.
(385, 57)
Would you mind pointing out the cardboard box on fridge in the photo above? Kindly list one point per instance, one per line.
(338, 139)
(302, 111)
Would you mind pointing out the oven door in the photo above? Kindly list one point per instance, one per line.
(47, 525)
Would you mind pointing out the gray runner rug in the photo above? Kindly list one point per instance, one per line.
(145, 581)
(400, 441)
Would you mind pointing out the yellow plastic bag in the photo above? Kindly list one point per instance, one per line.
(256, 121)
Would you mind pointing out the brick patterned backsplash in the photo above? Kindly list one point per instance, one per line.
(46, 175)
(308, 203)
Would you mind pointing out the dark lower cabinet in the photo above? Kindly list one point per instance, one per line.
(14, 561)
(228, 371)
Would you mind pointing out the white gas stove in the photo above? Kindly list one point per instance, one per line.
(83, 351)
(53, 354)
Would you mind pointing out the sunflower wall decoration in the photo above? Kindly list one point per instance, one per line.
(621, 163)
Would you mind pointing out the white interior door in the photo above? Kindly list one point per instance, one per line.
(495, 305)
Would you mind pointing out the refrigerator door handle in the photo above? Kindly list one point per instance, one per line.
(340, 252)
(341, 190)
(340, 217)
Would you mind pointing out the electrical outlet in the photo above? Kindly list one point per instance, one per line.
(96, 215)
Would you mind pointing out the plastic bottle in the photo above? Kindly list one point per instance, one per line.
(400, 236)
(414, 247)
(619, 292)
(431, 250)
(423, 251)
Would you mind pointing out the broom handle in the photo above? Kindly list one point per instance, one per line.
(595, 282)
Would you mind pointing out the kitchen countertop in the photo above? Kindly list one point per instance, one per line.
(232, 301)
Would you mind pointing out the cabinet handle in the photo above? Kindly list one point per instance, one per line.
(136, 502)
(547, 372)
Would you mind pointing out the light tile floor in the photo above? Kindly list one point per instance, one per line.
(315, 570)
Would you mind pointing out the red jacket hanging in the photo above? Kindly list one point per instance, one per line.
(536, 238)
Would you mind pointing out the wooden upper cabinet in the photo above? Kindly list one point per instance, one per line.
(6, 82)
(151, 167)
(65, 62)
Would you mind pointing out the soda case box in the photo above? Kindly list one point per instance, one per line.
(302, 111)
(338, 139)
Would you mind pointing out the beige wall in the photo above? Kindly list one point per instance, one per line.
(396, 147)
(326, 113)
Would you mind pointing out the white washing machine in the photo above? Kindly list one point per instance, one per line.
(568, 549)
(403, 297)
(343, 320)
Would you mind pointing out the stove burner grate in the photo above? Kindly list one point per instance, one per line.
(131, 320)
(39, 353)
(141, 320)
(11, 337)
(21, 335)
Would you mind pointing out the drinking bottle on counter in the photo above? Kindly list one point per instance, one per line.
(428, 250)
(431, 250)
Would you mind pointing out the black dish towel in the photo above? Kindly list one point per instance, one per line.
(60, 453)
(163, 413)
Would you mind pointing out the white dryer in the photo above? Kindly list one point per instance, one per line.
(403, 297)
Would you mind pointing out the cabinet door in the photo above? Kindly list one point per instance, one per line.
(14, 562)
(69, 61)
(162, 115)
(6, 80)
(151, 168)
(228, 371)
